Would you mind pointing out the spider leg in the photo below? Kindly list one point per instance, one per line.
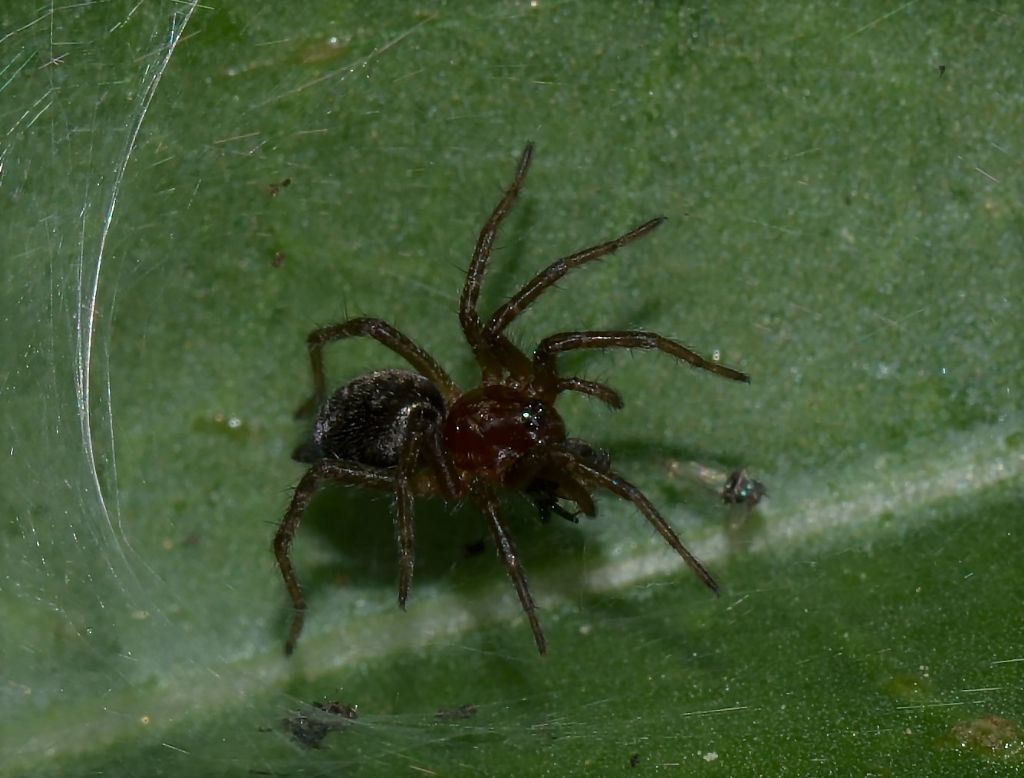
(510, 357)
(602, 392)
(325, 469)
(551, 346)
(488, 503)
(554, 272)
(421, 431)
(483, 347)
(616, 484)
(448, 481)
(383, 333)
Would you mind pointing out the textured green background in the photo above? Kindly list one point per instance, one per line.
(844, 192)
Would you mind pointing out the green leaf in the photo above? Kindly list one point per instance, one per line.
(188, 190)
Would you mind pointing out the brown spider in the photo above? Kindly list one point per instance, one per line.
(415, 433)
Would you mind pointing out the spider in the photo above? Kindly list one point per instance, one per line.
(416, 433)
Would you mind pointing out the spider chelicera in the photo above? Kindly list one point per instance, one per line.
(416, 433)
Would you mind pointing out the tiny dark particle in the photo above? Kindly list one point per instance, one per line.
(309, 730)
(275, 189)
(278, 260)
(338, 709)
(454, 714)
(634, 760)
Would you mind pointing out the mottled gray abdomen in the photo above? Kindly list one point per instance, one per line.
(365, 420)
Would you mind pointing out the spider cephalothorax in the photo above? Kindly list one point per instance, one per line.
(414, 432)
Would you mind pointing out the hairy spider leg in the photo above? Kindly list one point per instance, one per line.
(554, 272)
(487, 501)
(422, 420)
(547, 278)
(617, 485)
(383, 333)
(448, 483)
(600, 391)
(551, 346)
(492, 353)
(325, 469)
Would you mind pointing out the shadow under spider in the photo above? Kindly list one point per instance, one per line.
(358, 524)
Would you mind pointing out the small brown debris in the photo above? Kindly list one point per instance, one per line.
(275, 189)
(309, 729)
(467, 711)
(991, 735)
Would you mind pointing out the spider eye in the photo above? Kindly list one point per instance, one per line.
(533, 415)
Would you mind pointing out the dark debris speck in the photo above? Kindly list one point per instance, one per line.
(454, 714)
(310, 728)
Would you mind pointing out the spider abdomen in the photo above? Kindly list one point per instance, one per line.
(488, 425)
(364, 421)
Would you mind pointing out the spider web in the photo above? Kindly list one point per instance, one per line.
(187, 190)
